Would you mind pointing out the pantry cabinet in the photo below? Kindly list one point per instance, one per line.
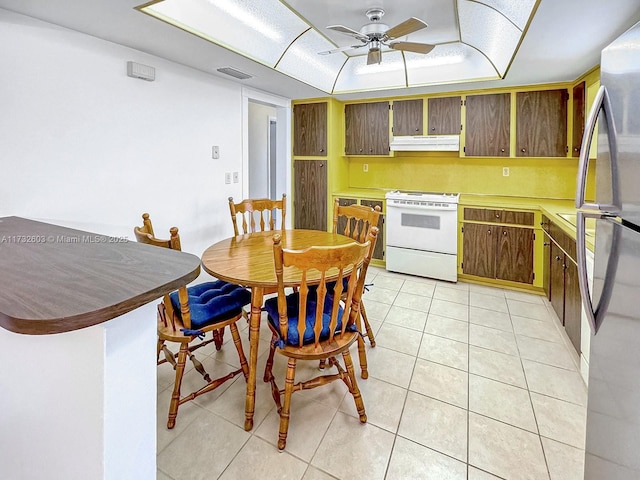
(310, 194)
(407, 117)
(367, 128)
(541, 123)
(498, 244)
(310, 129)
(444, 116)
(561, 284)
(487, 129)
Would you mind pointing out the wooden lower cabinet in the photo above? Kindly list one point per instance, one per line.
(499, 252)
(561, 284)
(514, 255)
(479, 250)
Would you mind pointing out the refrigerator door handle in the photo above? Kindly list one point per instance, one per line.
(596, 315)
(600, 103)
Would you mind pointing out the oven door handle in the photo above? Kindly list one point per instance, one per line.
(423, 208)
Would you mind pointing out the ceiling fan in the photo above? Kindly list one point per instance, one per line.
(377, 34)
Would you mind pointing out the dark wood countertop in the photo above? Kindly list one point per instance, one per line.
(57, 279)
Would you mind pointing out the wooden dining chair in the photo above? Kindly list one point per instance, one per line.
(356, 221)
(189, 314)
(258, 214)
(316, 323)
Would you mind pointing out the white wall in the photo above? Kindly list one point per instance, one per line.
(83, 145)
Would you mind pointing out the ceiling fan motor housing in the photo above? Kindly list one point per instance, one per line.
(374, 29)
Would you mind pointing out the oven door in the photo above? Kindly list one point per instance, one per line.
(432, 228)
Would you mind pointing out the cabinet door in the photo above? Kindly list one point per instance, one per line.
(578, 117)
(546, 266)
(557, 280)
(487, 125)
(355, 128)
(515, 255)
(310, 129)
(310, 194)
(378, 251)
(572, 304)
(444, 116)
(478, 249)
(541, 123)
(377, 129)
(407, 117)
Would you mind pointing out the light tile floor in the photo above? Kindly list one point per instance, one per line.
(466, 382)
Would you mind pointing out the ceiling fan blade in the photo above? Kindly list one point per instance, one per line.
(341, 49)
(348, 31)
(405, 28)
(412, 47)
(374, 56)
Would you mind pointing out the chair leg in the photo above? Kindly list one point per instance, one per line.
(159, 348)
(175, 396)
(218, 337)
(355, 391)
(269, 365)
(363, 314)
(286, 406)
(362, 356)
(238, 343)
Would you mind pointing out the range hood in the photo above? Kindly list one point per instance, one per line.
(426, 143)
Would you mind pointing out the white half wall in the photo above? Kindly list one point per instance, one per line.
(86, 146)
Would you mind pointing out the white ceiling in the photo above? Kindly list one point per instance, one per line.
(563, 41)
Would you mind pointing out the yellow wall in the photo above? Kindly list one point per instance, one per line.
(531, 177)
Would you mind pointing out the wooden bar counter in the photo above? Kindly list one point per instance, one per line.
(78, 343)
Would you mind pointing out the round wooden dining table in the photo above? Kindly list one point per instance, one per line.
(247, 260)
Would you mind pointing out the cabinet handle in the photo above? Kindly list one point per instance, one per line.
(497, 215)
(321, 150)
(433, 129)
(489, 232)
(558, 258)
(576, 149)
(417, 129)
(504, 232)
(502, 150)
(523, 150)
(360, 150)
(546, 244)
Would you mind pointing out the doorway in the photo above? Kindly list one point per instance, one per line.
(266, 147)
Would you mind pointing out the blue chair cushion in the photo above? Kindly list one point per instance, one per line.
(212, 302)
(293, 300)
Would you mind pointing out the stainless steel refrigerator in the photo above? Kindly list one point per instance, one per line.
(613, 305)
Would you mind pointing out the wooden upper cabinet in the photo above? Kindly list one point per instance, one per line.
(408, 117)
(487, 125)
(444, 116)
(367, 128)
(578, 117)
(310, 129)
(541, 123)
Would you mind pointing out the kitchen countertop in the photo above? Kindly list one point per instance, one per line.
(552, 208)
(57, 279)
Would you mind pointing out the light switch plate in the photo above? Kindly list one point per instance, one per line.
(236, 177)
(227, 177)
(215, 152)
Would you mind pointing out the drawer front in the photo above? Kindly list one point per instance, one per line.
(482, 215)
(563, 240)
(517, 218)
(511, 217)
